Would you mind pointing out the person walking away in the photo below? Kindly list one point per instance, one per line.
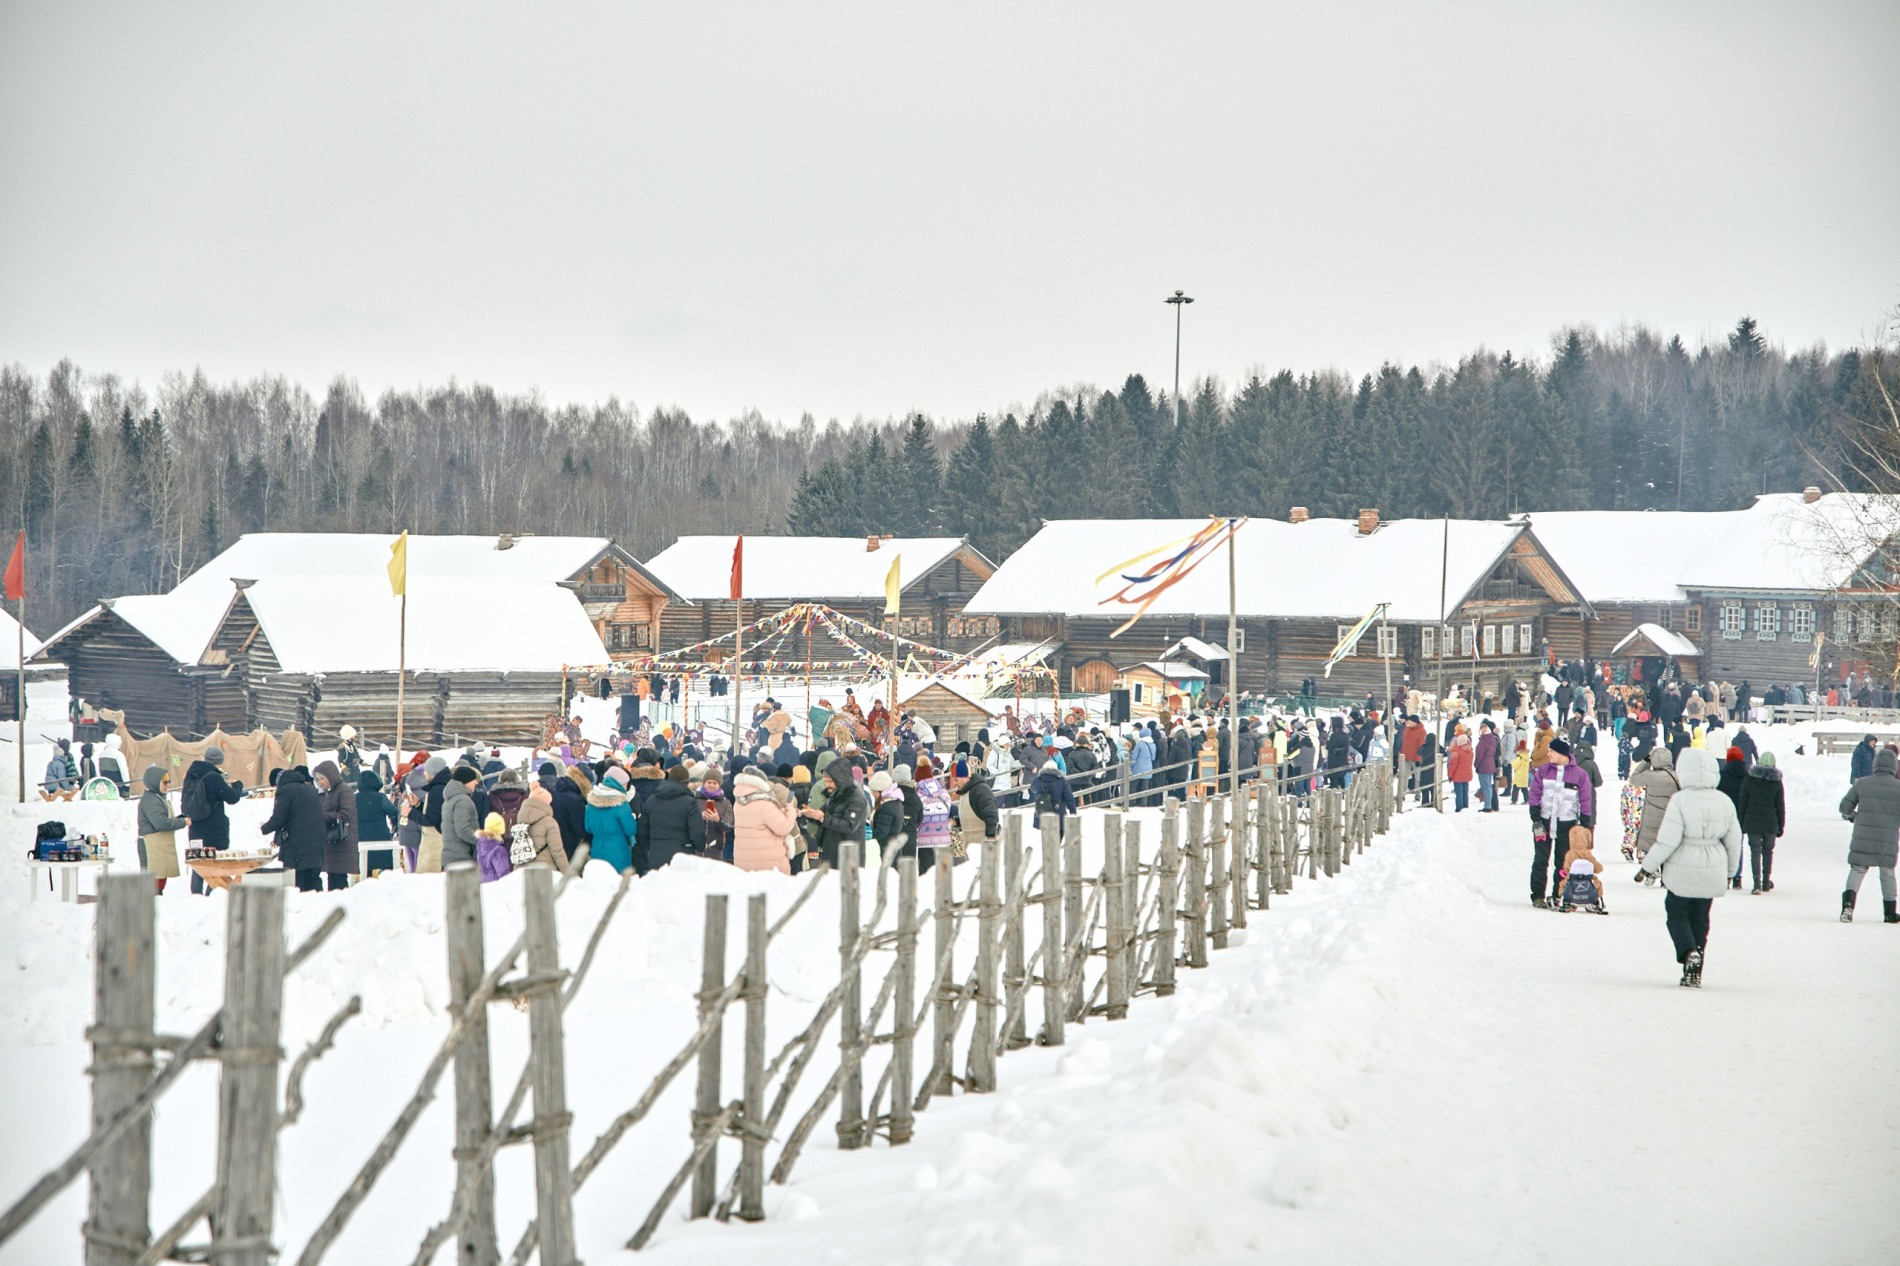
(429, 849)
(933, 832)
(1051, 793)
(1521, 772)
(158, 843)
(1459, 763)
(976, 809)
(1763, 810)
(376, 817)
(461, 817)
(609, 822)
(1584, 756)
(1485, 760)
(1734, 774)
(1872, 804)
(887, 819)
(296, 819)
(1659, 781)
(841, 822)
(203, 799)
(1697, 848)
(1561, 797)
(673, 821)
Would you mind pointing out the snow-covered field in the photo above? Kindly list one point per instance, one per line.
(1406, 1063)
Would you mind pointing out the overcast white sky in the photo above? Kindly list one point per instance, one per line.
(873, 208)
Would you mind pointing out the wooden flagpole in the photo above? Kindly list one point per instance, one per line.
(402, 666)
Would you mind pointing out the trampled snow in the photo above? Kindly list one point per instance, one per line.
(1406, 1063)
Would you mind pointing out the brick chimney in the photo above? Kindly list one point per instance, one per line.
(871, 543)
(1297, 515)
(1810, 494)
(1368, 522)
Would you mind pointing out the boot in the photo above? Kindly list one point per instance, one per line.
(1847, 907)
(1890, 916)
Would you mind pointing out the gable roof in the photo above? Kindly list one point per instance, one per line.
(455, 624)
(11, 635)
(1322, 568)
(182, 622)
(1631, 555)
(966, 692)
(699, 568)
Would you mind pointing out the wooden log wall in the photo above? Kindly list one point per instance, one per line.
(110, 664)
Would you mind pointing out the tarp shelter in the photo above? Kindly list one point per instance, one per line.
(248, 758)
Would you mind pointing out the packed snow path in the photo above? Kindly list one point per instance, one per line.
(1407, 1063)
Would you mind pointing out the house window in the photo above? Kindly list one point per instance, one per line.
(1388, 642)
(1507, 638)
(1767, 622)
(1734, 620)
(1801, 622)
(1427, 642)
(1490, 640)
(1692, 619)
(1468, 641)
(1240, 640)
(1140, 692)
(1526, 644)
(1889, 624)
(1339, 633)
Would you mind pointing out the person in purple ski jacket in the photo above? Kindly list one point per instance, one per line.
(1561, 797)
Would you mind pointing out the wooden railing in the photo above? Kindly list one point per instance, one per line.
(1102, 940)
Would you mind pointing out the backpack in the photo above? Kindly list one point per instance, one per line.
(521, 849)
(1046, 802)
(193, 800)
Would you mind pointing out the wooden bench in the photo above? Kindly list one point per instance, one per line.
(1833, 742)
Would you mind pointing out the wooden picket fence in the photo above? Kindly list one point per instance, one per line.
(1102, 940)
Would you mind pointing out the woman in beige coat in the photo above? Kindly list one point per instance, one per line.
(537, 814)
(763, 815)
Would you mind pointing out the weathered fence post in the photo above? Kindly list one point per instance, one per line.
(706, 1102)
(982, 1071)
(1196, 909)
(943, 1019)
(247, 1092)
(1216, 846)
(1131, 908)
(554, 1193)
(851, 1002)
(1263, 844)
(474, 1104)
(903, 1025)
(1072, 926)
(1169, 899)
(1053, 969)
(1115, 881)
(118, 1213)
(1015, 952)
(1237, 874)
(752, 1146)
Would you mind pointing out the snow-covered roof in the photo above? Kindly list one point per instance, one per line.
(1781, 543)
(338, 624)
(10, 635)
(1323, 568)
(1197, 648)
(1173, 671)
(966, 691)
(699, 568)
(1664, 640)
(181, 622)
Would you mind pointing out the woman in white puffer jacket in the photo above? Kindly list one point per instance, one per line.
(1696, 850)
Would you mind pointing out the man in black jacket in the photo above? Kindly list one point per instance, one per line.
(980, 804)
(214, 829)
(670, 820)
(570, 813)
(1180, 750)
(842, 819)
(298, 815)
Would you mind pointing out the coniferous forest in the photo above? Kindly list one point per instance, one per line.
(124, 488)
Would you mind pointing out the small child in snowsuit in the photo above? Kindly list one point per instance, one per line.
(1581, 859)
(1521, 771)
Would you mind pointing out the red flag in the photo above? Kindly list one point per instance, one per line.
(16, 570)
(738, 568)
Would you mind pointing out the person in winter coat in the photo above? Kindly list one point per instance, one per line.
(339, 824)
(1460, 761)
(1872, 804)
(158, 843)
(1697, 848)
(1487, 761)
(1521, 772)
(715, 810)
(1734, 774)
(1338, 758)
(429, 852)
(1746, 741)
(1659, 782)
(1181, 748)
(976, 808)
(296, 819)
(376, 816)
(570, 814)
(933, 830)
(672, 822)
(763, 816)
(1561, 797)
(214, 829)
(507, 796)
(887, 819)
(1763, 810)
(1862, 763)
(536, 815)
(1585, 758)
(461, 818)
(1050, 793)
(842, 819)
(615, 830)
(62, 774)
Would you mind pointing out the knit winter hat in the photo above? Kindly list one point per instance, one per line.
(1560, 747)
(902, 774)
(679, 773)
(801, 776)
(1734, 753)
(924, 768)
(495, 825)
(215, 755)
(617, 776)
(1766, 760)
(508, 778)
(880, 781)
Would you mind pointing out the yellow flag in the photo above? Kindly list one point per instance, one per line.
(891, 586)
(399, 565)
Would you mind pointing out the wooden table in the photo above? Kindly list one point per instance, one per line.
(222, 872)
(68, 876)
